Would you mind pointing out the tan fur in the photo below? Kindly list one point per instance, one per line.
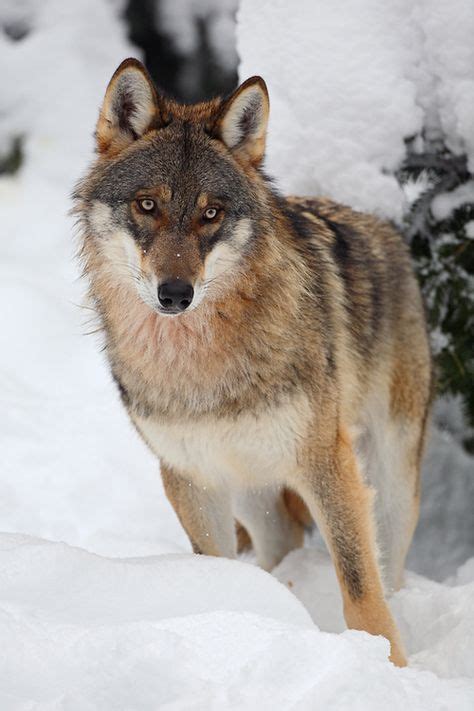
(296, 385)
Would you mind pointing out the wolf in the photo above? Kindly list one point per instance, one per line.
(272, 352)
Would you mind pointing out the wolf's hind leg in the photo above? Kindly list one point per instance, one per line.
(392, 463)
(274, 532)
(204, 512)
(391, 449)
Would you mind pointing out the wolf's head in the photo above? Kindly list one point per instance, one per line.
(172, 203)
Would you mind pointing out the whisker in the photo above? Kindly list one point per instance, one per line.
(84, 306)
(100, 329)
(206, 282)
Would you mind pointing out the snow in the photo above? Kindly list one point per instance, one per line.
(469, 229)
(445, 534)
(113, 611)
(443, 204)
(414, 188)
(443, 72)
(349, 82)
(81, 631)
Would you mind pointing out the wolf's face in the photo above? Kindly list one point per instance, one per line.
(171, 205)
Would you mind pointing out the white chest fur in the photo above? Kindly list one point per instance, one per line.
(248, 451)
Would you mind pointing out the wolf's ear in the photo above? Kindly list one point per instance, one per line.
(242, 120)
(130, 109)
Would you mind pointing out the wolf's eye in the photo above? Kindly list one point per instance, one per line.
(210, 214)
(146, 204)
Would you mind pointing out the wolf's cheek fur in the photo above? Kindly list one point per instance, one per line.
(114, 242)
(127, 260)
(101, 219)
(122, 256)
(225, 259)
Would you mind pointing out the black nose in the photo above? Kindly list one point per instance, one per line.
(175, 295)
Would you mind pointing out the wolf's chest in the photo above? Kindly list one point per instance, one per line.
(248, 450)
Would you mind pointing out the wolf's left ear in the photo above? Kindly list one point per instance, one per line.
(242, 121)
(130, 109)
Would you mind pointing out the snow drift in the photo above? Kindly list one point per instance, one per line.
(80, 631)
(350, 81)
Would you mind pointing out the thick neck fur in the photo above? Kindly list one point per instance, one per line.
(232, 353)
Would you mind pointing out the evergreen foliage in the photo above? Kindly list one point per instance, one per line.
(442, 244)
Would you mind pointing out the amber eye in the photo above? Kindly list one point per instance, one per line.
(210, 214)
(146, 204)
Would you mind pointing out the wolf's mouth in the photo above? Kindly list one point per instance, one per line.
(168, 312)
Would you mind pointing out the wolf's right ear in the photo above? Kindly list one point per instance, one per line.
(130, 109)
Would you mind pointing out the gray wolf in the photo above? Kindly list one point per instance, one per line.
(271, 351)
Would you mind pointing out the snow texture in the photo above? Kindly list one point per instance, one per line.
(350, 81)
(444, 203)
(81, 631)
(120, 615)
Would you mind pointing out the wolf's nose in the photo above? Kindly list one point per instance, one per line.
(175, 295)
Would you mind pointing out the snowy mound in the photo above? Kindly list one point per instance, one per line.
(80, 631)
(350, 81)
(76, 587)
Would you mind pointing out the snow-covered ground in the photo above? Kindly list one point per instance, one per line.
(80, 631)
(116, 613)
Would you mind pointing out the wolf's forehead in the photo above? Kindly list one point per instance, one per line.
(181, 168)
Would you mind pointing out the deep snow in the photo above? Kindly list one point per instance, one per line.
(128, 618)
(349, 80)
(81, 632)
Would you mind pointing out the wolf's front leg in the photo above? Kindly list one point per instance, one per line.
(204, 512)
(342, 506)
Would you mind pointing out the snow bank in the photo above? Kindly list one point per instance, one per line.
(349, 81)
(84, 632)
(56, 78)
(436, 620)
(72, 585)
